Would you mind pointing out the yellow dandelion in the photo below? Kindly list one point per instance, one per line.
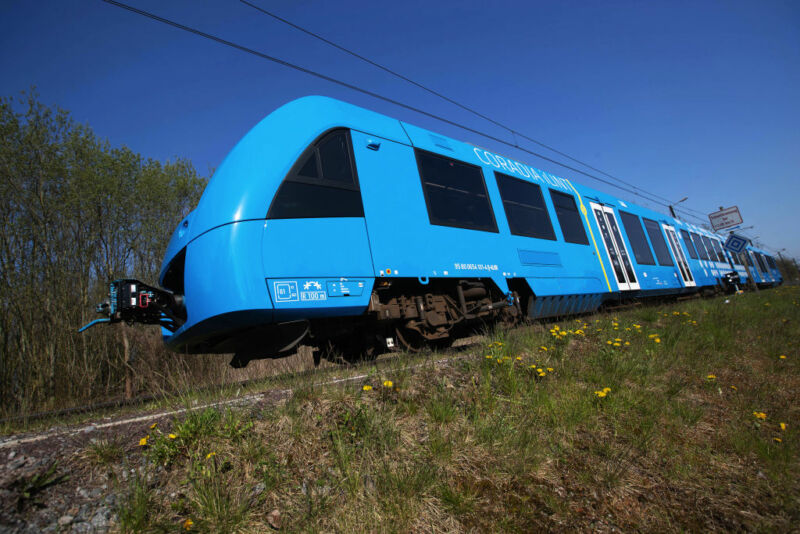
(617, 339)
(652, 336)
(711, 377)
(783, 426)
(187, 525)
(760, 415)
(627, 343)
(519, 358)
(542, 373)
(543, 348)
(533, 366)
(657, 340)
(609, 342)
(367, 387)
(782, 357)
(616, 344)
(607, 390)
(387, 383)
(489, 356)
(734, 388)
(153, 426)
(210, 454)
(600, 394)
(778, 440)
(172, 436)
(143, 441)
(539, 370)
(549, 369)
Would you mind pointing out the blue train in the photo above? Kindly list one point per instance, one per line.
(335, 226)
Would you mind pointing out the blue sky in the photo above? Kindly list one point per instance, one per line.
(697, 99)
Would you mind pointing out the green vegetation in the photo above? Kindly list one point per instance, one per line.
(679, 417)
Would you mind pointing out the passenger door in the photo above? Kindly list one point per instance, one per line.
(615, 247)
(680, 257)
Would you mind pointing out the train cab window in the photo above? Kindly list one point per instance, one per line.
(687, 241)
(701, 248)
(322, 183)
(455, 193)
(659, 244)
(633, 227)
(718, 249)
(569, 218)
(524, 206)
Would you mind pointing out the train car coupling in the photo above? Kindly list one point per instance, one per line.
(133, 301)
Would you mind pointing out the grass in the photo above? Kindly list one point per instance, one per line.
(519, 436)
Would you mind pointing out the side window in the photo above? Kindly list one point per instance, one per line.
(322, 183)
(761, 264)
(659, 244)
(701, 248)
(633, 227)
(718, 250)
(524, 206)
(710, 248)
(687, 240)
(569, 218)
(455, 193)
(771, 262)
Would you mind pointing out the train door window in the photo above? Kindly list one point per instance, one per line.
(633, 227)
(455, 193)
(701, 248)
(525, 209)
(737, 260)
(710, 248)
(687, 240)
(659, 244)
(718, 250)
(569, 218)
(322, 183)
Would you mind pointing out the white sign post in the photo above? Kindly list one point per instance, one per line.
(725, 218)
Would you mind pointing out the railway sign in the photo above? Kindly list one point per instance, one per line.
(725, 218)
(735, 243)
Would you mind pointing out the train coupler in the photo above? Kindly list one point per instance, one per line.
(135, 302)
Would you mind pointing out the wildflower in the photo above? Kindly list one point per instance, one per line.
(734, 388)
(387, 383)
(782, 357)
(627, 343)
(606, 390)
(367, 387)
(608, 342)
(760, 415)
(652, 336)
(657, 340)
(210, 454)
(543, 348)
(783, 426)
(616, 344)
(489, 356)
(539, 370)
(542, 374)
(617, 339)
(711, 377)
(187, 525)
(519, 358)
(550, 370)
(533, 366)
(778, 440)
(143, 441)
(601, 393)
(153, 426)
(173, 436)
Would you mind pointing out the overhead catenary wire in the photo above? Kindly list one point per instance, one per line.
(465, 107)
(375, 95)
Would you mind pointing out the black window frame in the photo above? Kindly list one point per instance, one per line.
(718, 248)
(294, 179)
(513, 226)
(661, 241)
(762, 265)
(687, 242)
(641, 235)
(585, 240)
(710, 248)
(493, 229)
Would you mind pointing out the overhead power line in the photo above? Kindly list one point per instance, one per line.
(456, 103)
(367, 92)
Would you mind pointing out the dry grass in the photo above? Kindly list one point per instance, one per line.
(488, 444)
